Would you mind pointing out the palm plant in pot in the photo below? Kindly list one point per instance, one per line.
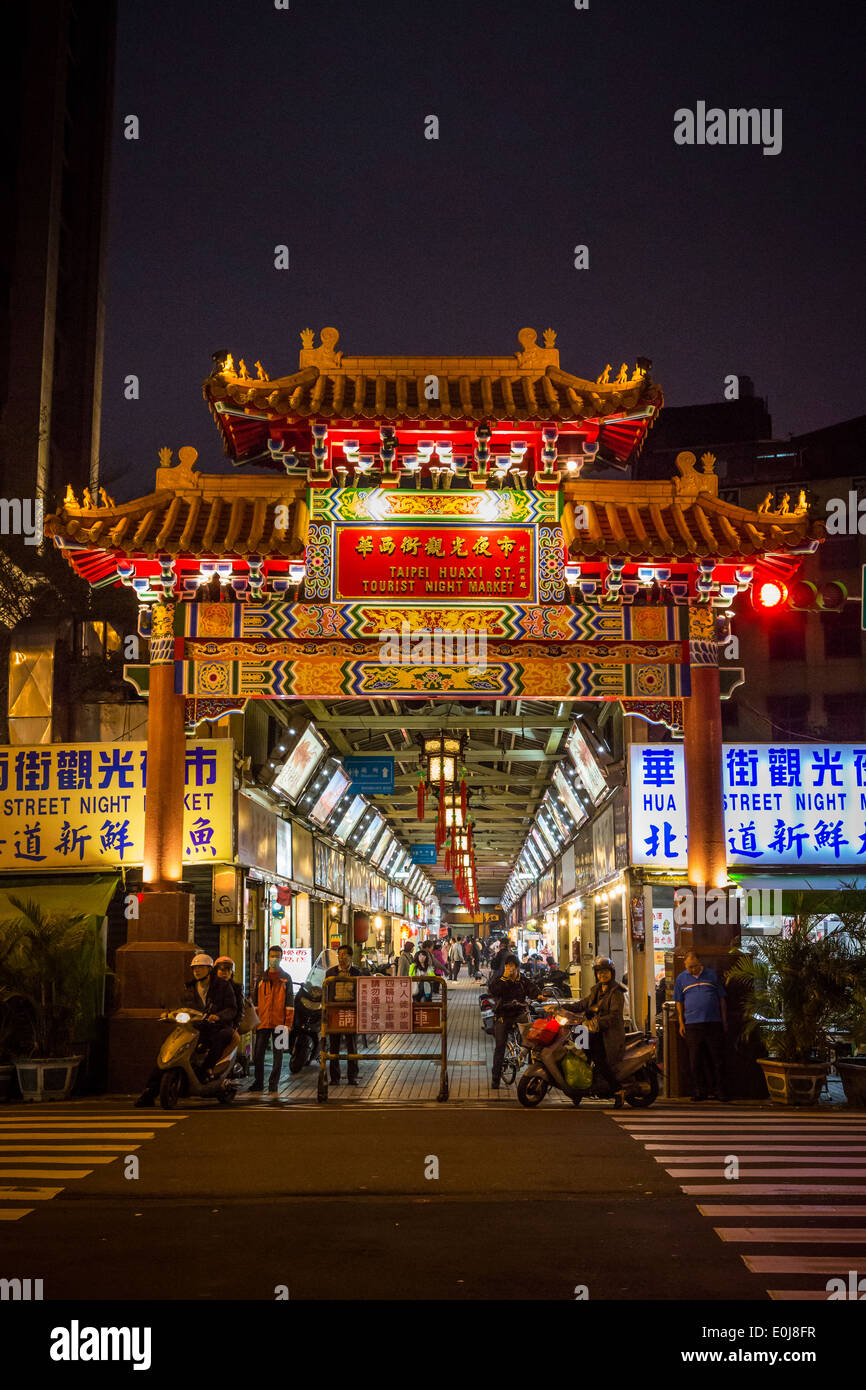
(802, 988)
(52, 969)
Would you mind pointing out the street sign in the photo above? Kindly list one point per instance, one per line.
(373, 775)
(444, 886)
(423, 854)
(384, 1004)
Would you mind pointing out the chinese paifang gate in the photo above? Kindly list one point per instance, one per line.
(449, 493)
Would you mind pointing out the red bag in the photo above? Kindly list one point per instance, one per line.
(542, 1032)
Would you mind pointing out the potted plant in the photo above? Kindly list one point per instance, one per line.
(52, 968)
(802, 987)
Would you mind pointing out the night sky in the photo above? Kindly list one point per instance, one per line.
(306, 127)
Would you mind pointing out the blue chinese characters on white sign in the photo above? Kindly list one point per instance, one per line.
(793, 804)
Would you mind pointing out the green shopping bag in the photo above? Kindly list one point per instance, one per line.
(576, 1070)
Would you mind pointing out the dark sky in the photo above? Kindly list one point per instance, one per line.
(306, 127)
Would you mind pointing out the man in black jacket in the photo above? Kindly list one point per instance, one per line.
(343, 971)
(509, 1000)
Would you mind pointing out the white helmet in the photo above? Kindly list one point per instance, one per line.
(202, 959)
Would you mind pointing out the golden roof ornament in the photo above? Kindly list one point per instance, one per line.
(69, 499)
(324, 356)
(622, 379)
(604, 379)
(183, 474)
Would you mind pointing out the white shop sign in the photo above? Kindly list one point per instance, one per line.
(798, 804)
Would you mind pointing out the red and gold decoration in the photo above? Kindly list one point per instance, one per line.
(443, 758)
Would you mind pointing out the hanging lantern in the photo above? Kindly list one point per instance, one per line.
(442, 753)
(421, 791)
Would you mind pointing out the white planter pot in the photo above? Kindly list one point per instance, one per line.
(47, 1078)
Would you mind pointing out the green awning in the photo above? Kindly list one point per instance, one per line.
(89, 894)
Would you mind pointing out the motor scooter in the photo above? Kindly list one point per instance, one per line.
(306, 1027)
(637, 1073)
(181, 1059)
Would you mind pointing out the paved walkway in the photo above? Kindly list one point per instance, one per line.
(470, 1054)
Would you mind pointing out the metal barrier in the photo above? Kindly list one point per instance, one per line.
(382, 1004)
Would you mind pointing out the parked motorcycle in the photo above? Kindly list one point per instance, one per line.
(181, 1060)
(637, 1073)
(306, 1027)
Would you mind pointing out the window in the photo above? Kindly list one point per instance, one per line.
(789, 715)
(787, 636)
(842, 632)
(845, 717)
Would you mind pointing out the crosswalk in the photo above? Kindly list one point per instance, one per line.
(40, 1153)
(785, 1182)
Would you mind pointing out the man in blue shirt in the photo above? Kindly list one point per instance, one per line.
(702, 1010)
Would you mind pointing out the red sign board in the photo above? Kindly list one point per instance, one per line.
(432, 563)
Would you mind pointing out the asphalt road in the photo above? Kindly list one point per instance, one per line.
(335, 1203)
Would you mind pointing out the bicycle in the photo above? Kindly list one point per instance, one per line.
(516, 1055)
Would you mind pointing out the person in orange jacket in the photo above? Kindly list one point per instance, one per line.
(273, 995)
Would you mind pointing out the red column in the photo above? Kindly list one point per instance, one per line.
(703, 750)
(150, 969)
(166, 753)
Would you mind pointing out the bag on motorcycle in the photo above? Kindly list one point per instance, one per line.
(542, 1032)
(576, 1070)
(249, 1019)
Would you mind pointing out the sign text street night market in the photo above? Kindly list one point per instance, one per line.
(421, 562)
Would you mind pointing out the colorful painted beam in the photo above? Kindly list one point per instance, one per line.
(338, 670)
(506, 621)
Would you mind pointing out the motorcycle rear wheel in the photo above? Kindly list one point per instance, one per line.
(169, 1089)
(531, 1091)
(301, 1056)
(509, 1072)
(649, 1091)
(225, 1095)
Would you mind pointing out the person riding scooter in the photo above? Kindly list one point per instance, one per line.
(225, 969)
(509, 996)
(604, 1008)
(215, 999)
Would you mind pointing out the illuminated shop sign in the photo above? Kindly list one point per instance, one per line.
(68, 805)
(588, 770)
(794, 804)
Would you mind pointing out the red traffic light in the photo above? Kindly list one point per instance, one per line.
(770, 593)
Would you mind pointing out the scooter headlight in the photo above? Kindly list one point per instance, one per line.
(182, 1017)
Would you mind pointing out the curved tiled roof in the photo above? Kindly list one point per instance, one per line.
(389, 394)
(653, 526)
(201, 522)
(525, 388)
